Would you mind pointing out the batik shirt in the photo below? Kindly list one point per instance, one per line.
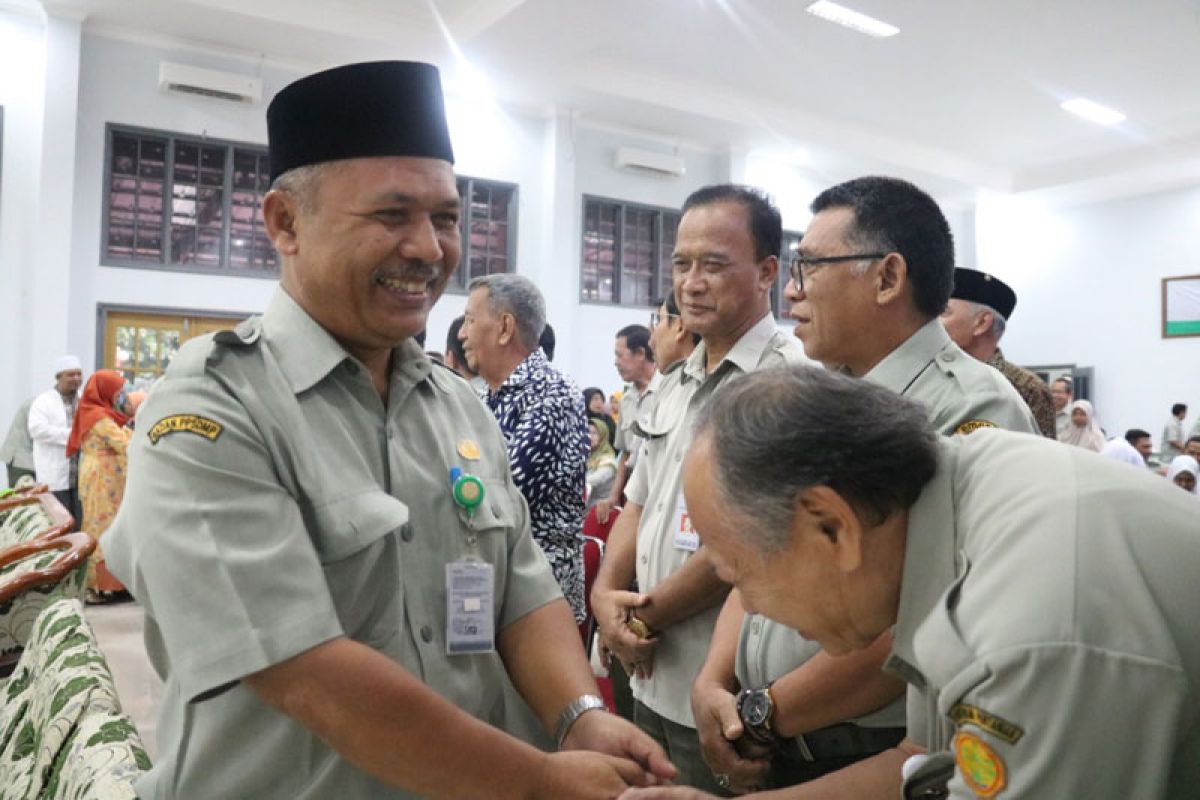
(540, 411)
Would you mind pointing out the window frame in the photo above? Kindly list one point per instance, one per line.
(619, 247)
(459, 280)
(787, 244)
(224, 267)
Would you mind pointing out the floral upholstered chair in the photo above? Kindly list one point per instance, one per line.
(31, 515)
(62, 732)
(32, 576)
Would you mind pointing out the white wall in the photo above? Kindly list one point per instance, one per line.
(1088, 282)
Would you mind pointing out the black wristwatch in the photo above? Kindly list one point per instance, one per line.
(756, 708)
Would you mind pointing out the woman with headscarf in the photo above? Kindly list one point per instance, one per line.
(1083, 430)
(1184, 472)
(99, 434)
(593, 405)
(601, 463)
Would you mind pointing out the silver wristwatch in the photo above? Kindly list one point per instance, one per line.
(574, 710)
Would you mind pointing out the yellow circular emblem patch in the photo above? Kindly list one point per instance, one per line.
(468, 449)
(981, 768)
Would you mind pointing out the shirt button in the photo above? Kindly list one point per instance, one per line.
(426, 634)
(645, 559)
(947, 356)
(756, 627)
(406, 532)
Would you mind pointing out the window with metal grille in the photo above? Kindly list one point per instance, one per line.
(489, 229)
(185, 203)
(626, 251)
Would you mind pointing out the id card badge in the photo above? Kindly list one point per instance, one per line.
(686, 537)
(470, 600)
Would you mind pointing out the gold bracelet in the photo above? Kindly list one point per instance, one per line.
(640, 629)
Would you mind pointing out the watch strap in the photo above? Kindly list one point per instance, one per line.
(574, 710)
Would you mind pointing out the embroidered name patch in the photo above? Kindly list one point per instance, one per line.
(972, 425)
(190, 423)
(1002, 729)
(980, 767)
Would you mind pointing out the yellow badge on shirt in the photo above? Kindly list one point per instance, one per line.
(972, 425)
(468, 449)
(190, 423)
(964, 714)
(980, 767)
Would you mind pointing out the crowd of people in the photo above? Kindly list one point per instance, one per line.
(844, 561)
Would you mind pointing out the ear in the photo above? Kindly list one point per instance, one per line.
(768, 271)
(508, 328)
(279, 215)
(892, 280)
(983, 323)
(678, 332)
(830, 523)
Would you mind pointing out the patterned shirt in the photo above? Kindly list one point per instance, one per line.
(540, 411)
(1033, 391)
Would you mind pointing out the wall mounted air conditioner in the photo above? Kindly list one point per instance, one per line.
(648, 162)
(183, 79)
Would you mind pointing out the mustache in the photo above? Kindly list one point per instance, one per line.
(414, 269)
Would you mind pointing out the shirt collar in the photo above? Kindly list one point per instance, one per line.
(899, 367)
(930, 551)
(527, 370)
(744, 355)
(306, 352)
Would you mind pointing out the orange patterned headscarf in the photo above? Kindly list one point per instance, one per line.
(99, 401)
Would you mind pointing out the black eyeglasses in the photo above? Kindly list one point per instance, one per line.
(800, 264)
(657, 317)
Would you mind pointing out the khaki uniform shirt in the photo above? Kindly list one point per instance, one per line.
(1033, 391)
(634, 406)
(1172, 431)
(655, 486)
(1062, 420)
(275, 503)
(1047, 623)
(961, 394)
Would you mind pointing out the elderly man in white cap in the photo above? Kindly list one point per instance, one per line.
(49, 426)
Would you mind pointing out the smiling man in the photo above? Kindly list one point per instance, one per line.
(341, 590)
(836, 509)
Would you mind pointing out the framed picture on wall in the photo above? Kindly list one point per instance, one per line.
(1181, 306)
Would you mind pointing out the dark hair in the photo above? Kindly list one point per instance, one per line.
(546, 341)
(1178, 408)
(894, 215)
(591, 392)
(637, 337)
(453, 345)
(1067, 380)
(766, 225)
(673, 310)
(777, 432)
(1134, 434)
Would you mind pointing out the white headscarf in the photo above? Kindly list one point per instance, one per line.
(1120, 450)
(1185, 464)
(1089, 435)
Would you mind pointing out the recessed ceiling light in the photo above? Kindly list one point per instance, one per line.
(852, 19)
(1093, 112)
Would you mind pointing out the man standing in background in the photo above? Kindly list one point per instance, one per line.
(50, 418)
(634, 360)
(17, 452)
(1062, 392)
(1172, 438)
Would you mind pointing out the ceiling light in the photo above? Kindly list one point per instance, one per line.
(852, 19)
(1093, 112)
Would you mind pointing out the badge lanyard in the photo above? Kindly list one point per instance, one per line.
(470, 581)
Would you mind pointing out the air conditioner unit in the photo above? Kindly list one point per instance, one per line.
(649, 162)
(183, 79)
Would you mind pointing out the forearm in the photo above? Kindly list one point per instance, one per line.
(691, 589)
(379, 717)
(618, 487)
(719, 665)
(617, 569)
(826, 690)
(545, 661)
(870, 779)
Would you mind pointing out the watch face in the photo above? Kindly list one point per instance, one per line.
(758, 708)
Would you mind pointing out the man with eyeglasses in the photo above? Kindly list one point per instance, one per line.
(633, 356)
(870, 278)
(724, 265)
(671, 341)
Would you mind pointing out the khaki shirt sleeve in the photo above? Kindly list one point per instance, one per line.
(1055, 720)
(637, 487)
(993, 410)
(212, 544)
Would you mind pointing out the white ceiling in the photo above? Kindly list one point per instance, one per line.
(966, 94)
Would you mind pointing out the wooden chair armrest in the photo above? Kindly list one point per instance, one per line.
(76, 548)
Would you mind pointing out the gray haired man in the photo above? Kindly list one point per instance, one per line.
(540, 411)
(835, 508)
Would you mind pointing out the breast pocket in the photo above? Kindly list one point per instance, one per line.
(356, 540)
